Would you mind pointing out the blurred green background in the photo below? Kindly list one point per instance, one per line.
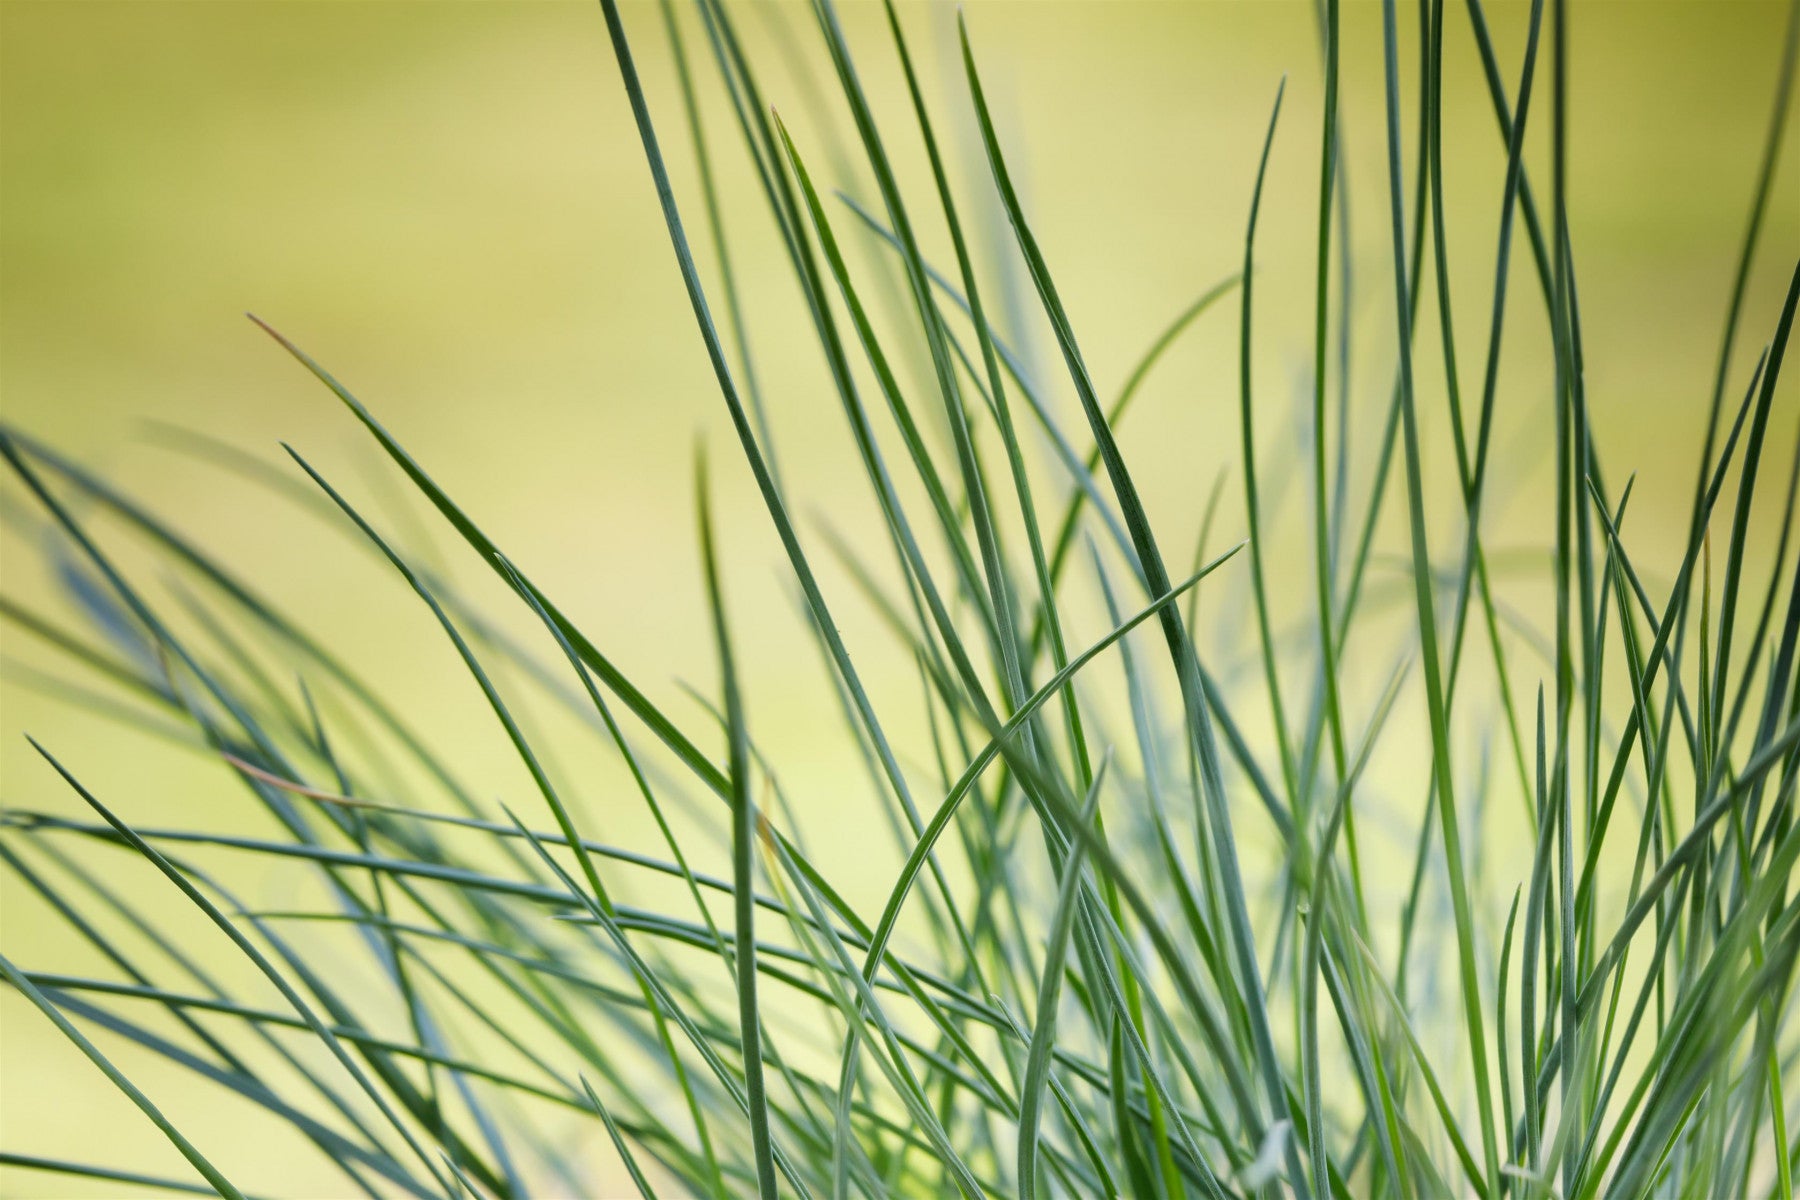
(447, 205)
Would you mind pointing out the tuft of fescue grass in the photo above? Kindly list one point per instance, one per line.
(1138, 942)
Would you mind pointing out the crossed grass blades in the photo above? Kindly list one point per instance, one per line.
(1076, 986)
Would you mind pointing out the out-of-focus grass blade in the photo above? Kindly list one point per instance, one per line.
(189, 1151)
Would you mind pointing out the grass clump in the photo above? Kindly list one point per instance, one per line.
(1160, 962)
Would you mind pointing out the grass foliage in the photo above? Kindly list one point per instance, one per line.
(1141, 939)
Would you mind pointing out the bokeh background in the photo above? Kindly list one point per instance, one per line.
(447, 205)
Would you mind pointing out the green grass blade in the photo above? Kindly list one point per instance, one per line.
(189, 1151)
(743, 824)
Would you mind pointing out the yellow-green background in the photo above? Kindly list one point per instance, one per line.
(447, 205)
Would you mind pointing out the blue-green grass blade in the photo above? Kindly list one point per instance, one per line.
(1429, 662)
(1175, 633)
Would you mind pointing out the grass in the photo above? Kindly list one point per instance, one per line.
(1134, 947)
